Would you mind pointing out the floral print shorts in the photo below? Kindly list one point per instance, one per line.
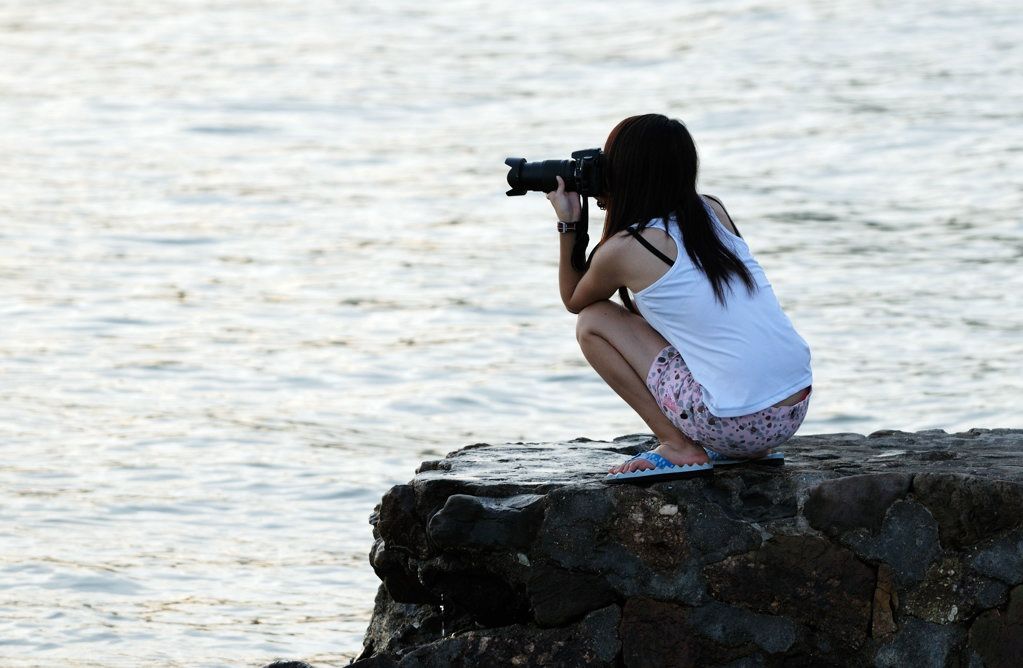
(680, 398)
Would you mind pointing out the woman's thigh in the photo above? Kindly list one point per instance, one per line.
(627, 332)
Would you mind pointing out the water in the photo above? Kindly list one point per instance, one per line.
(256, 263)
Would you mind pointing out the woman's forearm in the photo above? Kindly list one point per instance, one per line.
(568, 208)
(568, 276)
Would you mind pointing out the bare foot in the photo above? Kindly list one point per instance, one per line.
(679, 455)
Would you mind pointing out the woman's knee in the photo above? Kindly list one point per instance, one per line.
(590, 320)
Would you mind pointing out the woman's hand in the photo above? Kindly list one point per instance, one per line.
(566, 205)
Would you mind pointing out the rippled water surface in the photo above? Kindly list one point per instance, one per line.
(256, 262)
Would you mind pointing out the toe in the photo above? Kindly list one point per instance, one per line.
(630, 466)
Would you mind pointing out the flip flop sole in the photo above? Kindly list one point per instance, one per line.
(673, 473)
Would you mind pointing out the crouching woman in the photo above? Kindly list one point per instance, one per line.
(702, 351)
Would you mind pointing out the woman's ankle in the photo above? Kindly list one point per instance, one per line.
(682, 454)
(681, 447)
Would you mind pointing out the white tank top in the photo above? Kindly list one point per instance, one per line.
(746, 355)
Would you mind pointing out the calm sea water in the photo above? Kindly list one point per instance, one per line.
(256, 263)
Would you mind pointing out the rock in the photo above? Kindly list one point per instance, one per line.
(397, 626)
(907, 541)
(591, 642)
(732, 626)
(969, 508)
(481, 522)
(558, 595)
(714, 535)
(951, 592)
(651, 636)
(894, 549)
(809, 579)
(378, 661)
(491, 590)
(854, 502)
(886, 600)
(997, 636)
(393, 567)
(920, 644)
(1002, 559)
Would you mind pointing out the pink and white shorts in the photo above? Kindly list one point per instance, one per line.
(681, 399)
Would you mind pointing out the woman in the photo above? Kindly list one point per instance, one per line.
(707, 358)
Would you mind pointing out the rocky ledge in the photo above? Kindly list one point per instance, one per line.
(894, 549)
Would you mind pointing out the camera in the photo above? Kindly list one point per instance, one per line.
(583, 174)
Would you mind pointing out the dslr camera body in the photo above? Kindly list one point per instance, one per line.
(585, 174)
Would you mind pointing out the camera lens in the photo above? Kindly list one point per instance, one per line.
(526, 176)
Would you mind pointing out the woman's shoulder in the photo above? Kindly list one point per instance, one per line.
(637, 248)
(617, 243)
(625, 240)
(619, 248)
(720, 212)
(709, 199)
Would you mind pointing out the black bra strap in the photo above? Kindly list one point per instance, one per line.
(649, 246)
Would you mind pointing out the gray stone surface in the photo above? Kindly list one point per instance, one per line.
(920, 644)
(1002, 558)
(891, 549)
(397, 626)
(730, 625)
(996, 636)
(808, 579)
(481, 522)
(854, 502)
(907, 541)
(558, 595)
(969, 509)
(593, 641)
(653, 635)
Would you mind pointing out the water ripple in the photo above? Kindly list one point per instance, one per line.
(257, 263)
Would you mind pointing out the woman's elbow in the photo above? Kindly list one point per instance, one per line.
(573, 306)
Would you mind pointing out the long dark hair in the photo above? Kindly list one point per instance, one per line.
(651, 173)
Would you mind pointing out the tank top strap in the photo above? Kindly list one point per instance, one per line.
(662, 224)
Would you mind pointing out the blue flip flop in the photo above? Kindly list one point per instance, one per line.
(664, 470)
(773, 459)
